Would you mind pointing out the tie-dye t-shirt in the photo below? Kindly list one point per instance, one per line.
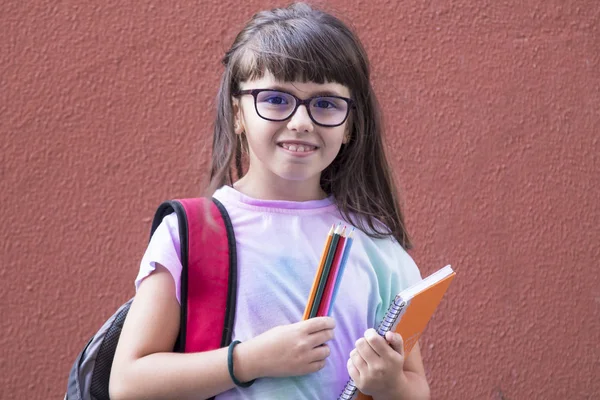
(279, 244)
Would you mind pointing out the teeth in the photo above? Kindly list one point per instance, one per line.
(298, 148)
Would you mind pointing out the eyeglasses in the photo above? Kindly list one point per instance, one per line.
(277, 105)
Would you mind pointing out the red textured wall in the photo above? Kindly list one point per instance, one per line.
(492, 110)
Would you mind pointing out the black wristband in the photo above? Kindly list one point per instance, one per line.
(230, 366)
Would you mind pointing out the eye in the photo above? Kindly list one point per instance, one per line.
(324, 103)
(275, 100)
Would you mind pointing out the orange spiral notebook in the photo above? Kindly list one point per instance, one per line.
(408, 315)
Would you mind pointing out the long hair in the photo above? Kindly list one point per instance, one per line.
(299, 43)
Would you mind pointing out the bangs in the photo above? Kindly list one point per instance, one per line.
(299, 50)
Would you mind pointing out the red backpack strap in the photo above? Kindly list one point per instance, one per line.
(209, 274)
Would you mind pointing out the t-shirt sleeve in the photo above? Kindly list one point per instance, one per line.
(407, 269)
(164, 249)
(398, 271)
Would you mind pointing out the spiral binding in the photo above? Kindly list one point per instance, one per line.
(391, 316)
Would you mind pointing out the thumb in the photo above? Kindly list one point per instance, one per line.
(395, 340)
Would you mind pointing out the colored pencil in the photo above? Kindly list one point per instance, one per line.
(325, 273)
(341, 270)
(326, 299)
(315, 284)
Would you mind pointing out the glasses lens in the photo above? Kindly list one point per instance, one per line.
(272, 104)
(329, 110)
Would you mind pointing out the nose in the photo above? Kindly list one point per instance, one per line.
(301, 121)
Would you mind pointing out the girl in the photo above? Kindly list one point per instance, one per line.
(296, 104)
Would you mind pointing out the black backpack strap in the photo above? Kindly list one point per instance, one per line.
(232, 285)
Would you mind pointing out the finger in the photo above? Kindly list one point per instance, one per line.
(359, 363)
(378, 343)
(318, 324)
(396, 342)
(366, 351)
(316, 366)
(320, 337)
(320, 353)
(352, 371)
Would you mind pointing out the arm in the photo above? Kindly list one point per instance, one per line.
(145, 366)
(415, 384)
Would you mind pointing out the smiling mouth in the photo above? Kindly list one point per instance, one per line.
(297, 148)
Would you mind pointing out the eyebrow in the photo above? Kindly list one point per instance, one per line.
(319, 93)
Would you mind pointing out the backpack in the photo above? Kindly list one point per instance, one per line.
(208, 295)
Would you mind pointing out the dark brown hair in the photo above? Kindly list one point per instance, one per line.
(299, 43)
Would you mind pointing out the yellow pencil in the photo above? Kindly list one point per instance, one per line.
(315, 285)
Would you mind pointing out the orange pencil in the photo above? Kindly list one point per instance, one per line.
(315, 285)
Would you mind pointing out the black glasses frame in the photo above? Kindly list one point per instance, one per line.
(299, 102)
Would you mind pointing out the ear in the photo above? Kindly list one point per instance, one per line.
(347, 135)
(348, 130)
(238, 120)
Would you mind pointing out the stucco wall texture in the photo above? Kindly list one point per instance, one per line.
(493, 121)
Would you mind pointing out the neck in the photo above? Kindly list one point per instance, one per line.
(277, 188)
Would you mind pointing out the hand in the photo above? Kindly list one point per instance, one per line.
(376, 364)
(292, 350)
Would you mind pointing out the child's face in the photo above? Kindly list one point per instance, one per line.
(296, 149)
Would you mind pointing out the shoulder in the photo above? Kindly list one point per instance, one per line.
(385, 253)
(166, 234)
(171, 223)
(395, 256)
